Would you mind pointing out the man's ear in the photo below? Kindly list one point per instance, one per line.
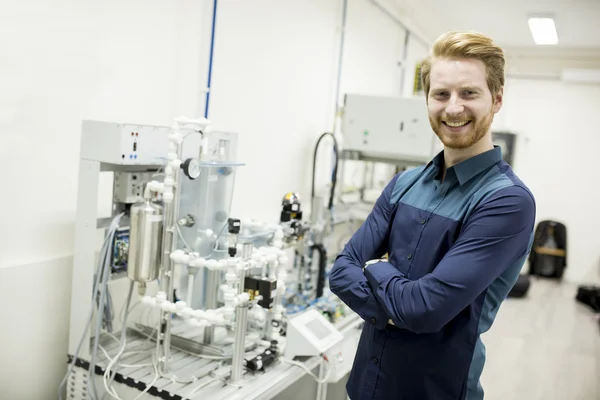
(498, 100)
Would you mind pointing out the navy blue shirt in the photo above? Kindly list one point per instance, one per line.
(456, 248)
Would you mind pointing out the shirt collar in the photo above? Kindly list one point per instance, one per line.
(470, 167)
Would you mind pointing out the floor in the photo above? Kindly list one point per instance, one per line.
(545, 346)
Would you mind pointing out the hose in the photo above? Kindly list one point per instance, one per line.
(115, 360)
(107, 242)
(105, 274)
(335, 168)
(319, 248)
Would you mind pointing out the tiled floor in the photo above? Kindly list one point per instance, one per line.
(545, 346)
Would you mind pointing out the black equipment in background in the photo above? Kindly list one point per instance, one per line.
(548, 257)
(320, 249)
(521, 287)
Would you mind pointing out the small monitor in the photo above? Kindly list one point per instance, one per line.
(318, 329)
(310, 334)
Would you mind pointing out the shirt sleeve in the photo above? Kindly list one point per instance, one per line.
(495, 237)
(370, 241)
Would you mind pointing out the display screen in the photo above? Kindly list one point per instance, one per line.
(318, 329)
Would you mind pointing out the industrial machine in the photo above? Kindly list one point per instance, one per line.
(224, 306)
(388, 129)
(380, 137)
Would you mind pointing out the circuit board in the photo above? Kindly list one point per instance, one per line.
(120, 251)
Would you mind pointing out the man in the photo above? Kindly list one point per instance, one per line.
(457, 232)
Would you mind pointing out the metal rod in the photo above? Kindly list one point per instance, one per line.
(170, 245)
(322, 386)
(340, 64)
(241, 319)
(398, 22)
(404, 60)
(211, 302)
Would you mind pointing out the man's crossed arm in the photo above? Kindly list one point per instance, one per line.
(496, 236)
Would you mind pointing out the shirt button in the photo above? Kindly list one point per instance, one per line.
(373, 320)
(409, 257)
(423, 221)
(374, 359)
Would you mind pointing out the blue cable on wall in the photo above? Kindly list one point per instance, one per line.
(210, 61)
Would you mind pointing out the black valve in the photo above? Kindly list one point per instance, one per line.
(233, 226)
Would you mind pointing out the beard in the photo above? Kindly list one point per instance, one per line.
(475, 130)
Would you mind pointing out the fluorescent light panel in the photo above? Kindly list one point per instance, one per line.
(543, 30)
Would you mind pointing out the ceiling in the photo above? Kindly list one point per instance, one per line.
(506, 21)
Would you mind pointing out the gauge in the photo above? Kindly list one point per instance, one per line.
(191, 168)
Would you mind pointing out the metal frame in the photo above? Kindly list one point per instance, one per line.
(87, 224)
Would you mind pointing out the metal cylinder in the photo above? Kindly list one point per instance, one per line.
(241, 321)
(211, 302)
(237, 366)
(145, 236)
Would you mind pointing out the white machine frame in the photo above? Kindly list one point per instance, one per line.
(146, 146)
(102, 156)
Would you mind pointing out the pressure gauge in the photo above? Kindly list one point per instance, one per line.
(191, 168)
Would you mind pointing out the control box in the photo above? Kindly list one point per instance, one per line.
(310, 334)
(128, 144)
(394, 128)
(129, 186)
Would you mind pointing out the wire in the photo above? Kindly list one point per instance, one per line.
(137, 303)
(308, 371)
(105, 273)
(108, 311)
(108, 357)
(215, 248)
(200, 386)
(112, 336)
(123, 341)
(189, 134)
(210, 63)
(156, 375)
(335, 168)
(105, 245)
(182, 239)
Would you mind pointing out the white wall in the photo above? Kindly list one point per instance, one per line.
(66, 62)
(279, 93)
(146, 62)
(61, 62)
(274, 83)
(555, 156)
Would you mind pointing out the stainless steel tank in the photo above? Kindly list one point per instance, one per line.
(145, 238)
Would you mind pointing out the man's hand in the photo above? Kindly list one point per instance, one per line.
(370, 262)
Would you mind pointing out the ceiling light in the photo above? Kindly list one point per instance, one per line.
(543, 30)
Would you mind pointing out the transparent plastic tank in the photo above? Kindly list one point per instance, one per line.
(207, 200)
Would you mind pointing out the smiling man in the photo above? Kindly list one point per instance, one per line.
(457, 231)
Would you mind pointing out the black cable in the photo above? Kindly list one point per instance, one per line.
(335, 168)
(322, 266)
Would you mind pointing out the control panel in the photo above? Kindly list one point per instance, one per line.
(129, 186)
(395, 128)
(130, 144)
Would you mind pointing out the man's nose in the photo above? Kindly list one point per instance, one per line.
(455, 106)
